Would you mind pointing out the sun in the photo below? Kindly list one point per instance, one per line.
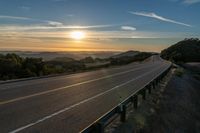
(77, 35)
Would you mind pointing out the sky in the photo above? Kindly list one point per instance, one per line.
(105, 25)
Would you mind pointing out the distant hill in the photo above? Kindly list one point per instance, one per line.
(13, 66)
(187, 50)
(87, 60)
(129, 57)
(77, 55)
(63, 59)
(130, 53)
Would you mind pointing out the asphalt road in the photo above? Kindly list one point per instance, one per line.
(70, 103)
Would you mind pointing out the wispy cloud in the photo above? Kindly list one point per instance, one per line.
(155, 16)
(190, 2)
(53, 23)
(130, 28)
(26, 8)
(13, 17)
(39, 24)
(187, 2)
(99, 35)
(50, 26)
(70, 15)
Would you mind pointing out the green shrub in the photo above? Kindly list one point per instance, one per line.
(179, 72)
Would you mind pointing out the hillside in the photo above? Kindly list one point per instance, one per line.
(187, 50)
(63, 59)
(128, 57)
(130, 53)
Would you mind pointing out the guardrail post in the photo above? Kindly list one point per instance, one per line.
(143, 94)
(156, 81)
(160, 78)
(99, 128)
(123, 113)
(154, 85)
(149, 89)
(135, 101)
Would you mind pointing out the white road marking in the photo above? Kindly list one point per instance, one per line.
(65, 87)
(84, 101)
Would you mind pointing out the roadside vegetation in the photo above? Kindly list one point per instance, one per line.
(185, 53)
(12, 66)
(128, 59)
(187, 50)
(179, 72)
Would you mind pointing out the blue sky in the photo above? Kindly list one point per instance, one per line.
(147, 25)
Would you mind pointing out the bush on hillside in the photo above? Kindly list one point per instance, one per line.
(187, 50)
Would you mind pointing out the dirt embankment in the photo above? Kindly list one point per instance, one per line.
(174, 108)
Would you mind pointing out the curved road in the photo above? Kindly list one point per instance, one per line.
(70, 103)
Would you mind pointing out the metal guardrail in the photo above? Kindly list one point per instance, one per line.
(99, 125)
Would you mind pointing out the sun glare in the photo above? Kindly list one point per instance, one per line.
(77, 35)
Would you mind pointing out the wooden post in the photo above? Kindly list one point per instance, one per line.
(135, 101)
(143, 94)
(154, 85)
(157, 81)
(99, 128)
(149, 88)
(123, 114)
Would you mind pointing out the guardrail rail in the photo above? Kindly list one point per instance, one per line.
(121, 109)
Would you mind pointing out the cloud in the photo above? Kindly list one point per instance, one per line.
(54, 23)
(70, 15)
(49, 26)
(128, 28)
(189, 2)
(155, 16)
(186, 2)
(13, 17)
(27, 8)
(43, 25)
(93, 34)
(48, 22)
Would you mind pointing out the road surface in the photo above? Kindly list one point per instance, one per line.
(70, 103)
